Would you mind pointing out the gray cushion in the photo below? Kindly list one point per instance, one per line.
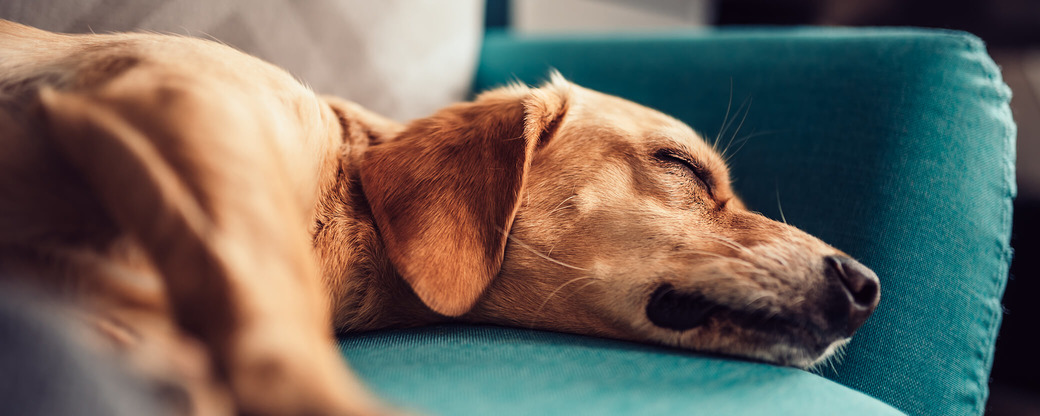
(403, 59)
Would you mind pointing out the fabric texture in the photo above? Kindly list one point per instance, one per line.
(478, 370)
(894, 145)
(400, 58)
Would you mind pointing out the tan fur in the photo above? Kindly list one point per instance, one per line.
(210, 163)
(616, 224)
(203, 206)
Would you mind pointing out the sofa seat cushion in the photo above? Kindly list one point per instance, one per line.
(485, 370)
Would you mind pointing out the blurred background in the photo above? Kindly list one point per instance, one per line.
(1011, 30)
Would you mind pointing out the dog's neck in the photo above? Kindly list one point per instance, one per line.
(364, 291)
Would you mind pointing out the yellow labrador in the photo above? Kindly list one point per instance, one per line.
(217, 221)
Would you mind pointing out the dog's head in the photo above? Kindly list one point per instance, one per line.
(566, 209)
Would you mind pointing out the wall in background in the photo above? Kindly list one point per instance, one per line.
(558, 16)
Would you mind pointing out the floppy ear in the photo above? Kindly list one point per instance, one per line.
(362, 127)
(445, 191)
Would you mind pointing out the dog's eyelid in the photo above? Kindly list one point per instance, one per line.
(675, 156)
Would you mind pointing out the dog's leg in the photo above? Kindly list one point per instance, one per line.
(199, 185)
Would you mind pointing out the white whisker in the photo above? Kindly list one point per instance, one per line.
(831, 361)
(547, 258)
(743, 141)
(560, 205)
(724, 257)
(559, 288)
(725, 118)
(747, 110)
(732, 244)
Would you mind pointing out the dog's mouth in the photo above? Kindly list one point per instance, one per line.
(671, 309)
(677, 310)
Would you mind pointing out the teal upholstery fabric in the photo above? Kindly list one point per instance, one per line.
(463, 370)
(894, 145)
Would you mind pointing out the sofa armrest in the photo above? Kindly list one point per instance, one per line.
(894, 145)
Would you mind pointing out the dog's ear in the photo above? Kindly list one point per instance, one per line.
(445, 191)
(361, 127)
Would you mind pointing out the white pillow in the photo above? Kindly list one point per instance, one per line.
(400, 58)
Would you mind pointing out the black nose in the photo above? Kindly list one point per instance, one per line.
(861, 288)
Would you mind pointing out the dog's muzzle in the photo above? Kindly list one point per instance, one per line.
(848, 296)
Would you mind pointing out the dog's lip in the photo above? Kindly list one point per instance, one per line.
(680, 311)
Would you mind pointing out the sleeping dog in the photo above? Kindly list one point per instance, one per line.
(216, 222)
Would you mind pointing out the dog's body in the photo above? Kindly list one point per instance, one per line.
(204, 206)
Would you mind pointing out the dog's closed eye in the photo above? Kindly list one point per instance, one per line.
(677, 159)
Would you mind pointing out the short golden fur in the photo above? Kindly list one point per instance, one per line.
(202, 206)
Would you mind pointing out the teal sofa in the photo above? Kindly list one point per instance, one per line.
(894, 145)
